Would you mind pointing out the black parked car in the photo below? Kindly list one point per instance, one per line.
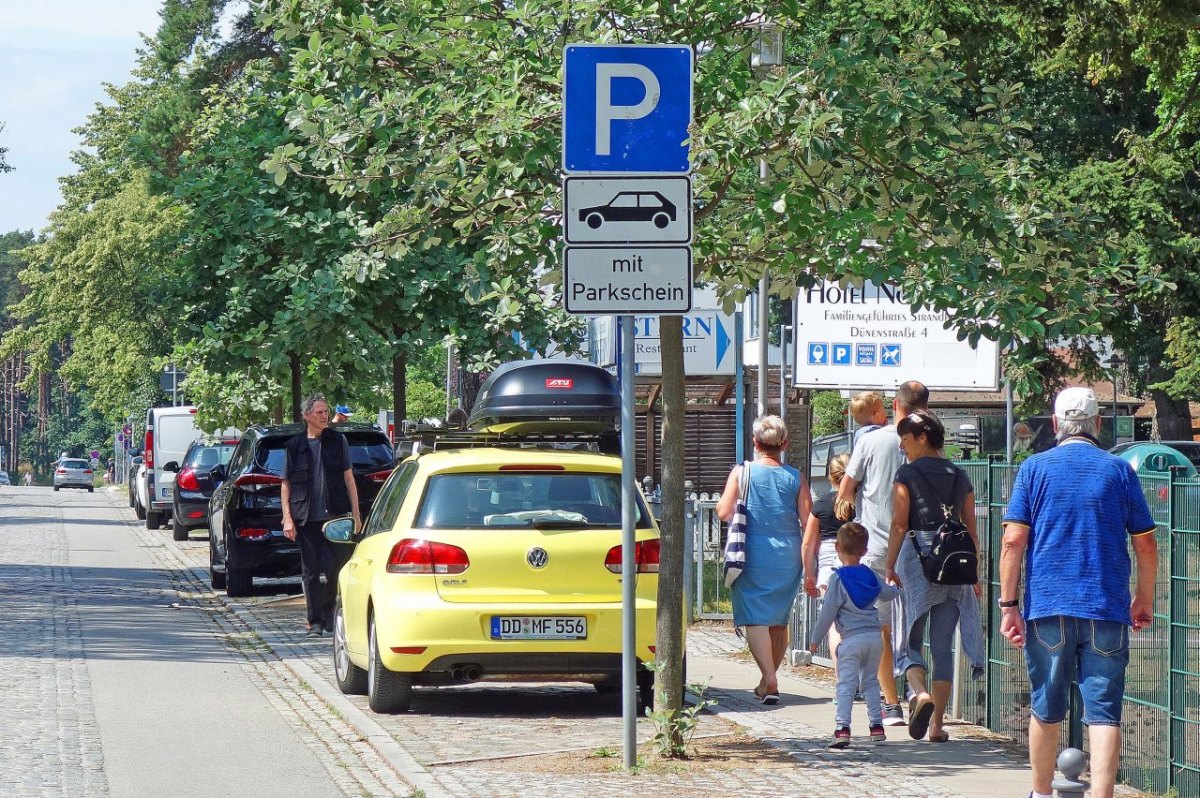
(194, 485)
(245, 516)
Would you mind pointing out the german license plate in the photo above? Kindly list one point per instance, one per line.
(538, 627)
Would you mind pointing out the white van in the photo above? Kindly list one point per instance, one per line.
(169, 430)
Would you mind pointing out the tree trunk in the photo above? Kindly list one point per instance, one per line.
(277, 410)
(1174, 417)
(399, 390)
(295, 363)
(669, 631)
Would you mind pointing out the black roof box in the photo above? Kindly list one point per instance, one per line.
(539, 396)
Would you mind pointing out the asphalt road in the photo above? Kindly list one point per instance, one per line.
(119, 683)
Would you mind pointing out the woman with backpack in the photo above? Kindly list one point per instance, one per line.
(933, 556)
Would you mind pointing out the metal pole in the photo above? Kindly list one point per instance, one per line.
(739, 385)
(764, 285)
(783, 364)
(1114, 382)
(1008, 421)
(628, 522)
(449, 373)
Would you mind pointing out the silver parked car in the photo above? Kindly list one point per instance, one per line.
(73, 473)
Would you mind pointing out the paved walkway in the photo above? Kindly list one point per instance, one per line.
(477, 740)
(500, 740)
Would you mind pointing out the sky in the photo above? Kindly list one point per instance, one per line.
(54, 57)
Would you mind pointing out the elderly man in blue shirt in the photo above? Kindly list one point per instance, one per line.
(1073, 514)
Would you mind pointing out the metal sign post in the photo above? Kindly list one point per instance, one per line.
(626, 113)
(628, 564)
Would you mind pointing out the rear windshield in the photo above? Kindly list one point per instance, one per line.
(203, 458)
(76, 464)
(367, 451)
(458, 501)
(270, 455)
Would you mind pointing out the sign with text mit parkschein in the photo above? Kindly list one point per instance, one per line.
(868, 337)
(627, 198)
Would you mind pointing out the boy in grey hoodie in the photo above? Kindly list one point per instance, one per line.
(850, 605)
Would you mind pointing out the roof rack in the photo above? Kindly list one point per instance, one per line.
(434, 435)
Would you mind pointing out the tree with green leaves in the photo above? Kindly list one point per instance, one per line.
(4, 167)
(879, 166)
(829, 413)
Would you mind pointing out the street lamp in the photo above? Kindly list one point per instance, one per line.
(768, 52)
(1114, 364)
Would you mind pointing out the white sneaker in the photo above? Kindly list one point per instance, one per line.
(893, 715)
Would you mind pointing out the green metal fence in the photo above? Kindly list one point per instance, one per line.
(1161, 727)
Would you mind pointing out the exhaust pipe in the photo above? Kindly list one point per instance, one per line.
(466, 673)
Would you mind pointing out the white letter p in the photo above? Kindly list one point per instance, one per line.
(606, 112)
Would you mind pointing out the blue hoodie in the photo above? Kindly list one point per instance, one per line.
(850, 602)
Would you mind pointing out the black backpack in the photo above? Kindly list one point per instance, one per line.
(952, 559)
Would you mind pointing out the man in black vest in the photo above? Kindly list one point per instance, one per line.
(317, 485)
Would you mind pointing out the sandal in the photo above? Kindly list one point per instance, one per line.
(941, 737)
(920, 711)
(770, 699)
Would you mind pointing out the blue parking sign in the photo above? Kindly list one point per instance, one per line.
(626, 108)
(841, 354)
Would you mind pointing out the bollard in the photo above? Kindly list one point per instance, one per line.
(1071, 762)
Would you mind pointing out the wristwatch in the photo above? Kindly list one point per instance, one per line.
(1010, 603)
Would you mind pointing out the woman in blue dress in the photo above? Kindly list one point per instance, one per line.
(777, 507)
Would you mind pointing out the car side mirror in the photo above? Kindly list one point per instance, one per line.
(172, 466)
(217, 473)
(339, 530)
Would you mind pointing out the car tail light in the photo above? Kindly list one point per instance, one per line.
(257, 481)
(148, 452)
(196, 514)
(87, 470)
(413, 556)
(61, 471)
(379, 476)
(408, 649)
(253, 533)
(187, 480)
(645, 554)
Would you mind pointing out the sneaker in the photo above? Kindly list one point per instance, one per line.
(878, 735)
(892, 715)
(859, 697)
(841, 738)
(316, 630)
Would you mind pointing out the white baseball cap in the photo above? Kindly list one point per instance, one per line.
(1076, 402)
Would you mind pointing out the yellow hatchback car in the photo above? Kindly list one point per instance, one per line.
(483, 562)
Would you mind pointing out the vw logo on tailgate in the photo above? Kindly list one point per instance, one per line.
(537, 557)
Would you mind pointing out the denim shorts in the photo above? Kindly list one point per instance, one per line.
(1059, 648)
